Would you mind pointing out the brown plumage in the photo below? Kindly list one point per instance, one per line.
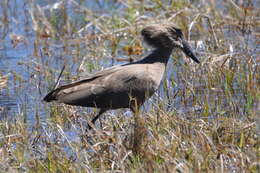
(128, 85)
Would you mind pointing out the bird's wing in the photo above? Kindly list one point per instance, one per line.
(90, 85)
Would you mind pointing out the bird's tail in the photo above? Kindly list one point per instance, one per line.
(51, 96)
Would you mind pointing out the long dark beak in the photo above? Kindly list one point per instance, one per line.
(188, 51)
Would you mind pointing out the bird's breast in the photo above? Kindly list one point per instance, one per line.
(155, 72)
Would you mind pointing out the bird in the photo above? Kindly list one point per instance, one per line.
(128, 85)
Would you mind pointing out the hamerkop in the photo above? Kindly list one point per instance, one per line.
(128, 85)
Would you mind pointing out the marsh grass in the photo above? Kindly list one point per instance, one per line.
(204, 118)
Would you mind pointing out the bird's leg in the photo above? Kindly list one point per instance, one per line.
(140, 132)
(96, 117)
(135, 108)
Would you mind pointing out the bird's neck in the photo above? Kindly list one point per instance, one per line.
(158, 56)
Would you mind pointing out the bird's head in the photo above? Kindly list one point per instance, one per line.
(167, 36)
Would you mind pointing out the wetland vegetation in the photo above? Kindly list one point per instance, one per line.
(204, 118)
